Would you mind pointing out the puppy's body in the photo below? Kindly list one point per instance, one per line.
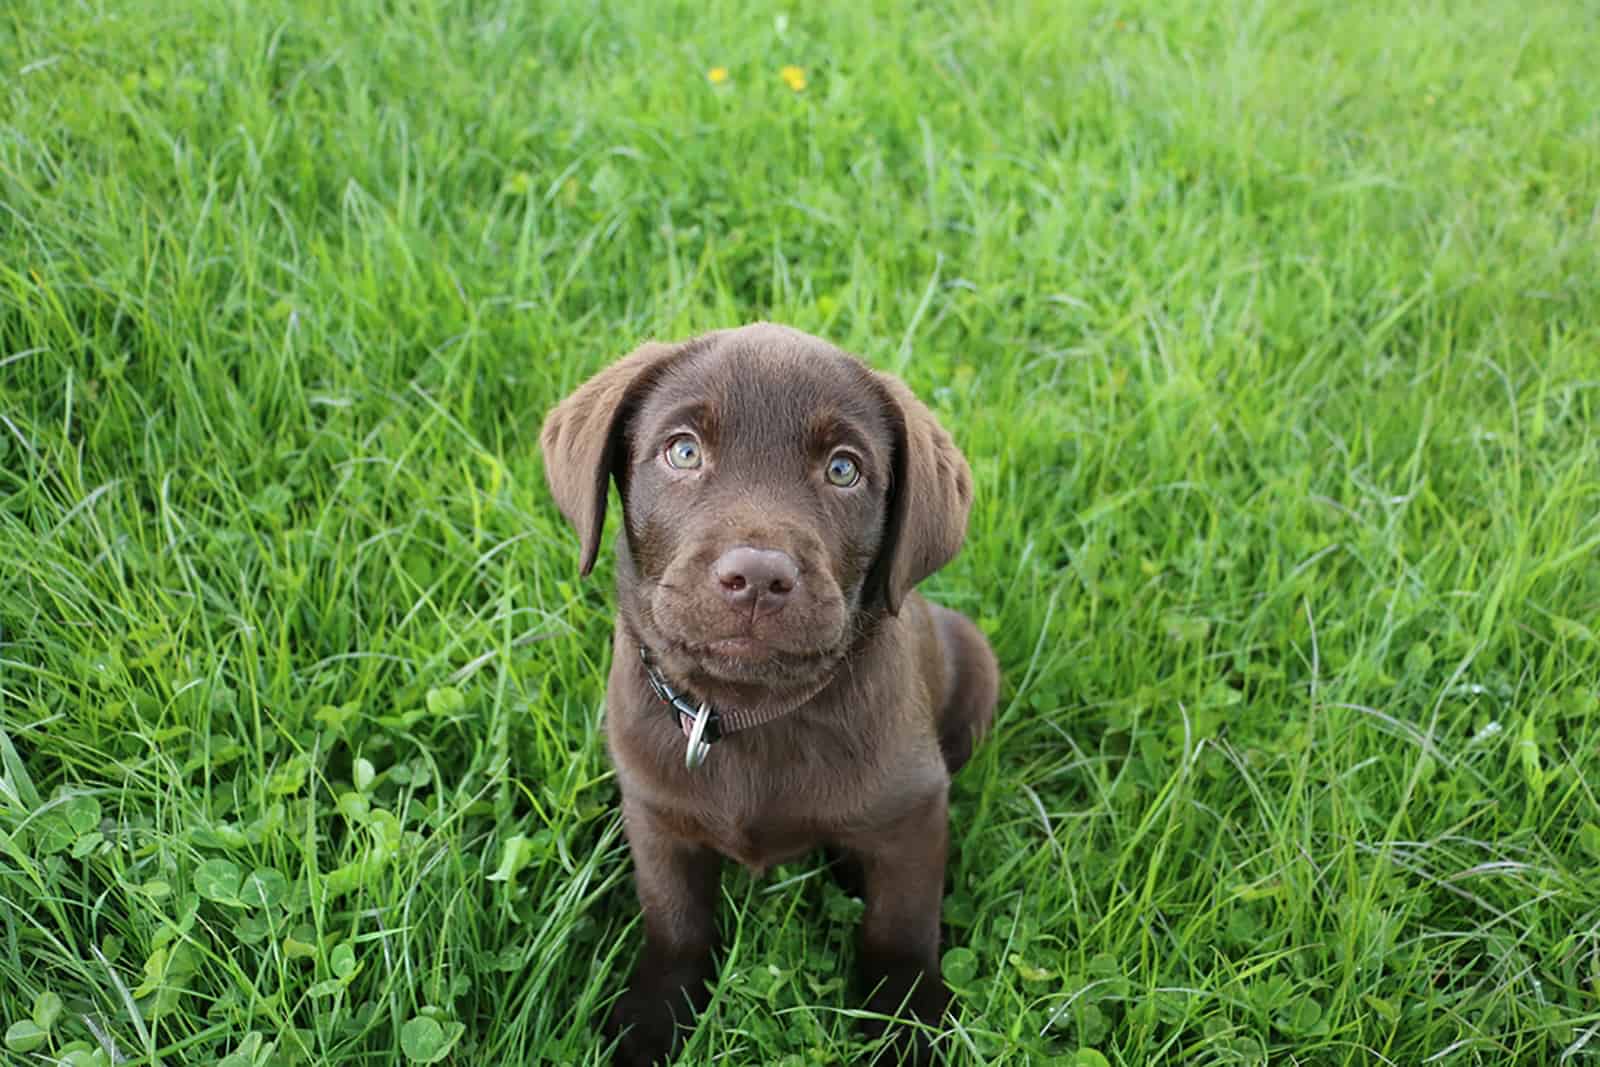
(843, 767)
(758, 577)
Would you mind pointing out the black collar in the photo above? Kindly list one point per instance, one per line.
(703, 725)
(683, 710)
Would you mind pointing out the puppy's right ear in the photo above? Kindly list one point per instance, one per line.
(583, 435)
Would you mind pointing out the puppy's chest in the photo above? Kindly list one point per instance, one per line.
(763, 803)
(756, 837)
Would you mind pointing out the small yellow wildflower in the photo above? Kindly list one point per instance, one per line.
(717, 75)
(793, 77)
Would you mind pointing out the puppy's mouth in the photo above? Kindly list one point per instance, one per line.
(740, 667)
(748, 659)
(739, 648)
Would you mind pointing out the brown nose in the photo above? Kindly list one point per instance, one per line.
(747, 575)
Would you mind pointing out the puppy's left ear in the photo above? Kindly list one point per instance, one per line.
(582, 440)
(928, 501)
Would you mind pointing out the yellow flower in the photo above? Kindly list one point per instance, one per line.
(793, 77)
(717, 75)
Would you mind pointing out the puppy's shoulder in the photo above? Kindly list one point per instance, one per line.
(910, 661)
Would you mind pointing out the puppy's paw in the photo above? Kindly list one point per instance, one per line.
(647, 1030)
(655, 1014)
(914, 1001)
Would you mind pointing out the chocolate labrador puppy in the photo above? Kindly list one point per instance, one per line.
(776, 683)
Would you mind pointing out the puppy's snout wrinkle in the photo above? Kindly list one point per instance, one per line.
(748, 576)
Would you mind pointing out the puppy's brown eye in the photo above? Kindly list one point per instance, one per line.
(683, 452)
(843, 471)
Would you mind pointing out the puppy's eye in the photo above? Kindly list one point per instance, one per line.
(843, 470)
(683, 452)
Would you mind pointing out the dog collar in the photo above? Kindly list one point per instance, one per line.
(700, 723)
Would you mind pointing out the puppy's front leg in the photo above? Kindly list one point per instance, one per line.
(903, 867)
(677, 884)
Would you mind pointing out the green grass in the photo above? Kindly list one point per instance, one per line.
(1272, 333)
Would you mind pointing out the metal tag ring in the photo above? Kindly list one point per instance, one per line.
(699, 747)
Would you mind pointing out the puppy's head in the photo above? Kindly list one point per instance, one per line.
(776, 494)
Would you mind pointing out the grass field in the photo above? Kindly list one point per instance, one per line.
(1272, 332)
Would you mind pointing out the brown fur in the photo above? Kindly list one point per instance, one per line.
(889, 692)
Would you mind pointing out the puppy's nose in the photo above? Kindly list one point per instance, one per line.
(746, 575)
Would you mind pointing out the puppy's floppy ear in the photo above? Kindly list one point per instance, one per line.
(928, 500)
(582, 440)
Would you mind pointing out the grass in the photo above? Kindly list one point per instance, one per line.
(1270, 331)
